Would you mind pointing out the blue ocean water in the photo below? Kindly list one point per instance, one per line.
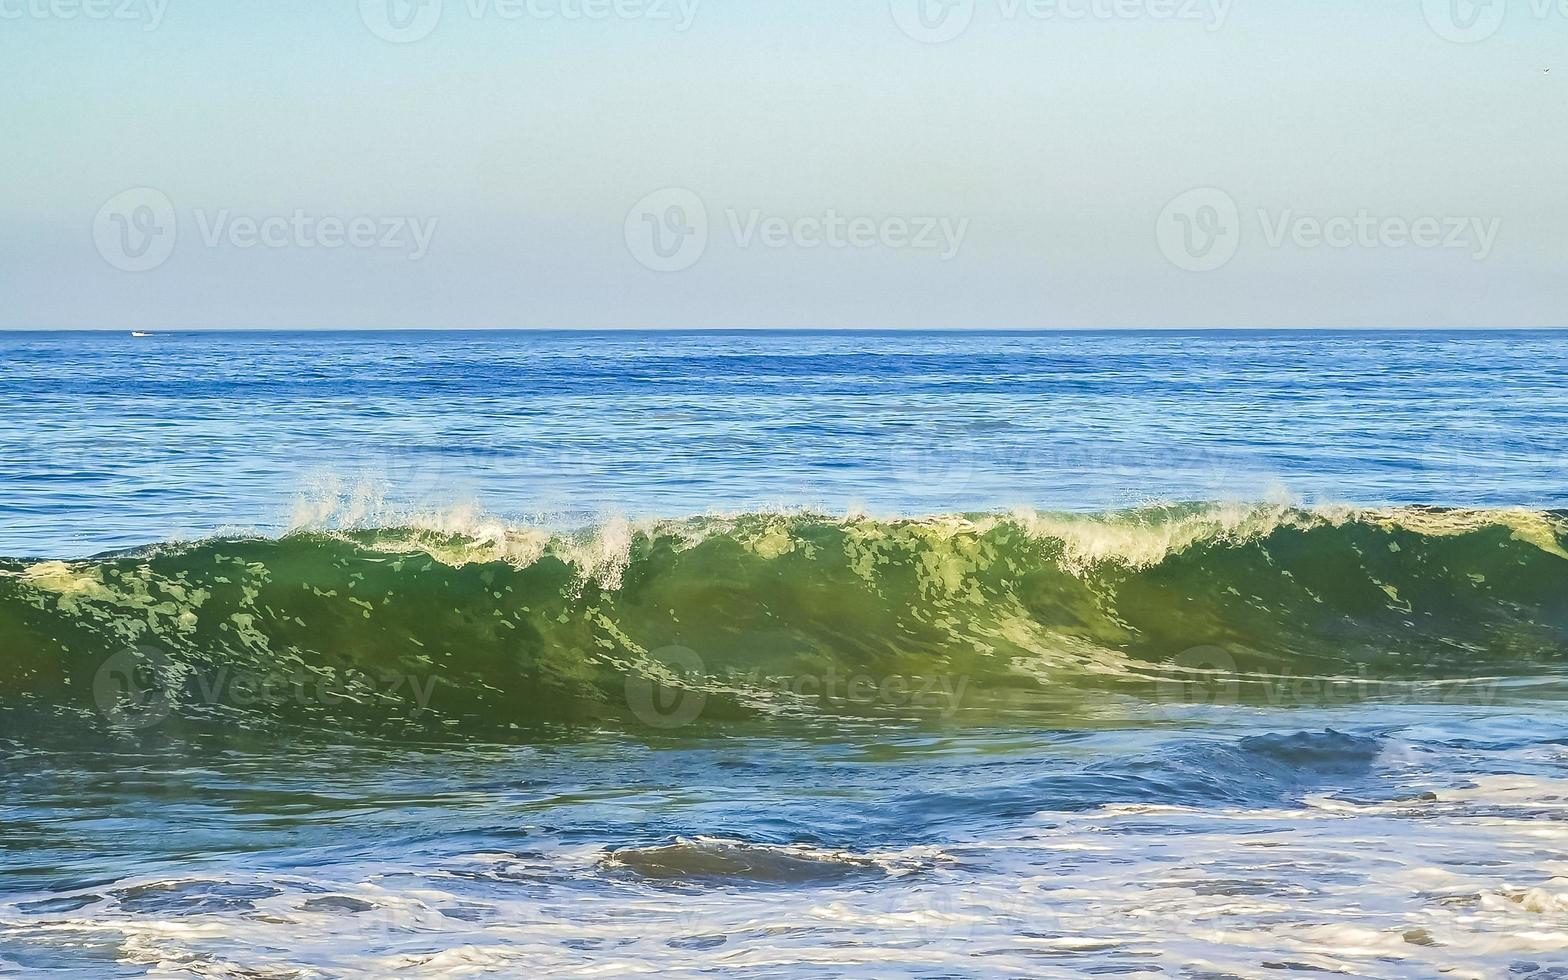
(1211, 654)
(114, 441)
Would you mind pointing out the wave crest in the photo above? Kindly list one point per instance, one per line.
(508, 625)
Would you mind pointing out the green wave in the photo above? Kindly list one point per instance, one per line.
(464, 624)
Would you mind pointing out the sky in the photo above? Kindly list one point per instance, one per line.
(717, 163)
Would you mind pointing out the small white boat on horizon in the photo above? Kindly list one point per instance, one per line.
(140, 333)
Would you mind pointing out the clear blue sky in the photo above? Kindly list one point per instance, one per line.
(523, 145)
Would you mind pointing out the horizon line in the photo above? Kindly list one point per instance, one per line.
(819, 330)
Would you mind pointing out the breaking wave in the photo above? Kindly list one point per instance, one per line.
(471, 623)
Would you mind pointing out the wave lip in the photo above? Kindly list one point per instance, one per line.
(676, 623)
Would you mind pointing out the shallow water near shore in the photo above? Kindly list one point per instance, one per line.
(1226, 843)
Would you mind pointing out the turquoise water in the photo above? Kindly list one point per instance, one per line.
(1189, 655)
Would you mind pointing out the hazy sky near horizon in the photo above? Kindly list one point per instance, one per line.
(714, 163)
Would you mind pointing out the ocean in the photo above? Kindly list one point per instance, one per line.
(784, 654)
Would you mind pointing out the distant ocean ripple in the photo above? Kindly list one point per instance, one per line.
(113, 441)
